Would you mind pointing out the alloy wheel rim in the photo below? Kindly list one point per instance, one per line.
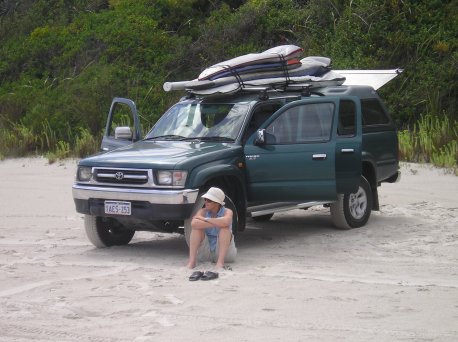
(358, 204)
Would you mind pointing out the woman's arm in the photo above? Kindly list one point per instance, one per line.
(199, 221)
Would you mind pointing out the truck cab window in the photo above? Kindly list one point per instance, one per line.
(373, 113)
(259, 116)
(303, 124)
(347, 118)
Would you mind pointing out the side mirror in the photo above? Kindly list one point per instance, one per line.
(261, 138)
(124, 133)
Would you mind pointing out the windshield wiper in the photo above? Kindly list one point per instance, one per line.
(215, 138)
(191, 138)
(167, 137)
(181, 138)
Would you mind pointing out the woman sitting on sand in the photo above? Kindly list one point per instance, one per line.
(211, 236)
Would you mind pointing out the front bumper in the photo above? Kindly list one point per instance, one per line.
(146, 204)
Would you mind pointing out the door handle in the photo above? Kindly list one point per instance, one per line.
(347, 150)
(319, 156)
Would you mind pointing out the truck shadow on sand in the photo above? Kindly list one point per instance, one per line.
(282, 228)
(257, 237)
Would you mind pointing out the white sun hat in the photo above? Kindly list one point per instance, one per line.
(216, 195)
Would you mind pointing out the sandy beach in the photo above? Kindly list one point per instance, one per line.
(296, 277)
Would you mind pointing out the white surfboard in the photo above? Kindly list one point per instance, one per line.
(278, 53)
(310, 66)
(329, 79)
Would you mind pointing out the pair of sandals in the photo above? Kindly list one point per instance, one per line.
(208, 275)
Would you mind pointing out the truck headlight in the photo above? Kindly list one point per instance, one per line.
(84, 173)
(171, 178)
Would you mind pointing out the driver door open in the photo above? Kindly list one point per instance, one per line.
(123, 126)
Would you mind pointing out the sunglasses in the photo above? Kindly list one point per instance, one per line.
(209, 201)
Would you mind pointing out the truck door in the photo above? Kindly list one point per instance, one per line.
(296, 162)
(348, 137)
(123, 125)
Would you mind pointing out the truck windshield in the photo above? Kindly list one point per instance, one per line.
(203, 121)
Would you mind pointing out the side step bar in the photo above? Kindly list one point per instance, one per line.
(265, 209)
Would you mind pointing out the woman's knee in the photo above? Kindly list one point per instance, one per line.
(225, 233)
(198, 232)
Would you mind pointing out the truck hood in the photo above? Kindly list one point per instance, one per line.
(163, 154)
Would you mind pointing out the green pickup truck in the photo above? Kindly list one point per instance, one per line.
(268, 150)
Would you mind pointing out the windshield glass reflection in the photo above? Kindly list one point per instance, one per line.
(205, 121)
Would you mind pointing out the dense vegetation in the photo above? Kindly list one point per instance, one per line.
(62, 61)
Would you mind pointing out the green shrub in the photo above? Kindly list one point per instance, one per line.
(86, 144)
(446, 156)
(20, 140)
(433, 140)
(406, 145)
(61, 151)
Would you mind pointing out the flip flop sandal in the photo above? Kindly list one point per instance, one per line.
(209, 275)
(196, 275)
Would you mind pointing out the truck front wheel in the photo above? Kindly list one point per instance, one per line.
(353, 210)
(106, 232)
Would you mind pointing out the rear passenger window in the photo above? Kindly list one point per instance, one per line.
(373, 113)
(347, 118)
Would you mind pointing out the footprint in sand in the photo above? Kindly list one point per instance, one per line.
(174, 300)
(165, 322)
(159, 318)
(370, 315)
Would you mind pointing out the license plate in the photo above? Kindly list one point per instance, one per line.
(117, 208)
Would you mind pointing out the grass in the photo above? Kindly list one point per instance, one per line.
(433, 140)
(18, 141)
(62, 151)
(86, 144)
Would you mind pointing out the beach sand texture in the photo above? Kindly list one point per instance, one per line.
(296, 277)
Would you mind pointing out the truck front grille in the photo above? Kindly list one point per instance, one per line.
(122, 176)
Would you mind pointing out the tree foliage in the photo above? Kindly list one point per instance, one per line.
(62, 61)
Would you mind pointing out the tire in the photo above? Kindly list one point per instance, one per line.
(262, 218)
(198, 205)
(106, 232)
(353, 210)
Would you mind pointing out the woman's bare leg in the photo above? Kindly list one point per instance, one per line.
(195, 239)
(224, 241)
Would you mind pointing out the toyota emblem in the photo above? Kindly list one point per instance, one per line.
(119, 175)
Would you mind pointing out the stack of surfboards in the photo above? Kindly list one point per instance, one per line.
(275, 67)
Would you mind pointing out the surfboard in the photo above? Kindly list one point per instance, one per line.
(329, 79)
(373, 78)
(310, 66)
(276, 54)
(275, 66)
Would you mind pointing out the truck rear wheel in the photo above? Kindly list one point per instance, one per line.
(199, 204)
(106, 232)
(353, 210)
